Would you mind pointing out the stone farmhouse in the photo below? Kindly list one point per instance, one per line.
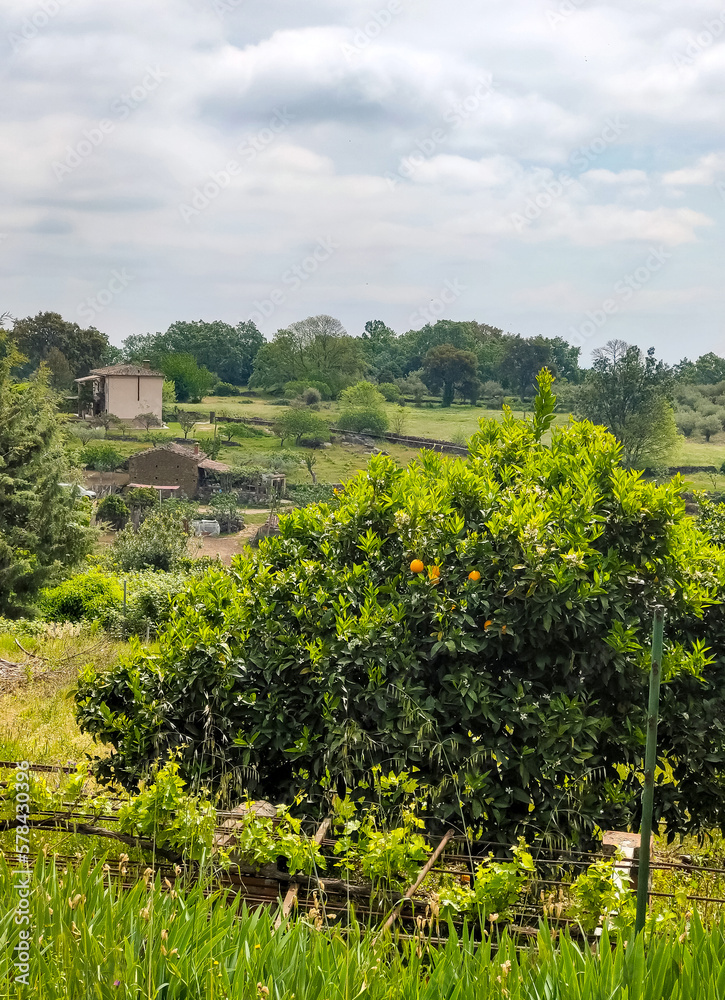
(126, 391)
(174, 465)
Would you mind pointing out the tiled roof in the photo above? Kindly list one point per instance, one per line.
(186, 452)
(126, 370)
(213, 466)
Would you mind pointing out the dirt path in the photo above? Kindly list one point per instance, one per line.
(223, 546)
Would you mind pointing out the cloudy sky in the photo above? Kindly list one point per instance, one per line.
(545, 166)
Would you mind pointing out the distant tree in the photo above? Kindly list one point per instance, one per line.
(686, 421)
(492, 392)
(362, 408)
(447, 368)
(148, 420)
(106, 420)
(187, 420)
(47, 336)
(311, 396)
(301, 424)
(710, 368)
(390, 391)
(168, 398)
(226, 350)
(191, 381)
(629, 393)
(316, 349)
(61, 376)
(709, 425)
(43, 525)
(414, 386)
(311, 462)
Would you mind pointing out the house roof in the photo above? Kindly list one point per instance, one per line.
(127, 370)
(185, 451)
(212, 466)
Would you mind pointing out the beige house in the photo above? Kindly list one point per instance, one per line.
(126, 391)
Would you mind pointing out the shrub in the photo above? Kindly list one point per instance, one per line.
(389, 391)
(86, 596)
(141, 497)
(101, 457)
(362, 409)
(296, 388)
(226, 389)
(160, 542)
(311, 396)
(236, 431)
(686, 421)
(150, 597)
(511, 672)
(303, 426)
(113, 509)
(84, 433)
(320, 493)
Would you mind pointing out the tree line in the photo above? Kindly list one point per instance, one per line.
(644, 401)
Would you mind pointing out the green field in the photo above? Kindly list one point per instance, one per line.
(342, 460)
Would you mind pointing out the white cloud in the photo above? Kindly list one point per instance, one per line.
(342, 164)
(704, 171)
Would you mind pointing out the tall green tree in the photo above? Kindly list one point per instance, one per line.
(448, 368)
(48, 337)
(629, 392)
(191, 381)
(226, 350)
(313, 350)
(43, 526)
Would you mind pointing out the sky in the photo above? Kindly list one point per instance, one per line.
(551, 167)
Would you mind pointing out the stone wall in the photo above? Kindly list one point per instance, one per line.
(165, 468)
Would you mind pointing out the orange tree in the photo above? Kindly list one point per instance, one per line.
(485, 622)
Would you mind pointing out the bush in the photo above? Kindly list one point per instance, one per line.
(84, 433)
(160, 542)
(86, 596)
(150, 598)
(484, 621)
(311, 396)
(304, 495)
(101, 457)
(686, 421)
(141, 497)
(237, 431)
(113, 509)
(362, 409)
(226, 389)
(293, 390)
(390, 391)
(303, 426)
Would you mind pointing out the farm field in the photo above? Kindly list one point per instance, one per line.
(446, 424)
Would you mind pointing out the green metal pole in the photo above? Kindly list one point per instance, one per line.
(650, 761)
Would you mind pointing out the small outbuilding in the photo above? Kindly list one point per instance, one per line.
(175, 465)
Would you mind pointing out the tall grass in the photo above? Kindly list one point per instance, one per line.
(92, 939)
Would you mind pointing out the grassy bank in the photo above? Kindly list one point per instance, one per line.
(88, 938)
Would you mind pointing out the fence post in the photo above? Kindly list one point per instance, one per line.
(650, 761)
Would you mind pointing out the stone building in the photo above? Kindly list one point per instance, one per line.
(126, 391)
(170, 465)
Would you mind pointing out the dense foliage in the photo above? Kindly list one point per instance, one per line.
(44, 526)
(485, 621)
(88, 596)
